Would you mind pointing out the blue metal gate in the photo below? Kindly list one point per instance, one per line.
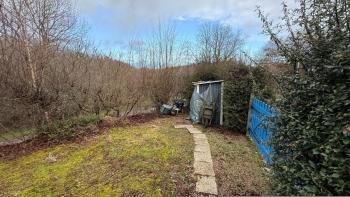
(262, 120)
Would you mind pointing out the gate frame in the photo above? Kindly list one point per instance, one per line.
(260, 116)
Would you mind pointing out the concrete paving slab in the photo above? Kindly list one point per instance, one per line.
(199, 136)
(201, 142)
(204, 147)
(181, 126)
(203, 163)
(193, 130)
(203, 168)
(202, 156)
(207, 185)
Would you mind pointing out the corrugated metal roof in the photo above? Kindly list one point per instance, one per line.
(205, 82)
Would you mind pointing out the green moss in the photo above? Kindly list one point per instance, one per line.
(3, 167)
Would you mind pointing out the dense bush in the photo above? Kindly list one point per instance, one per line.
(237, 88)
(265, 85)
(312, 139)
(66, 129)
(312, 150)
(202, 72)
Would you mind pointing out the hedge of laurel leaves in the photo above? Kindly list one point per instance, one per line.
(237, 88)
(312, 142)
(312, 138)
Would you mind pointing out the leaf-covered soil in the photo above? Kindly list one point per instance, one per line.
(141, 156)
(238, 165)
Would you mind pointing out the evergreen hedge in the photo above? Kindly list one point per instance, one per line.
(312, 138)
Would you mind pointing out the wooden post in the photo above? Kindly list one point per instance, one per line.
(250, 100)
(249, 112)
(222, 104)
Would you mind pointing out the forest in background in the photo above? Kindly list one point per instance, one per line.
(51, 70)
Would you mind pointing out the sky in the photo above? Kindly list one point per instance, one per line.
(113, 22)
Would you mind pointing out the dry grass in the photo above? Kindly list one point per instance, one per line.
(238, 166)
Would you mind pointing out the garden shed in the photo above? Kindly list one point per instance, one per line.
(207, 92)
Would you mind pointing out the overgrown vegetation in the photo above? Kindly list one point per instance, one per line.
(65, 129)
(312, 139)
(50, 71)
(53, 73)
(265, 86)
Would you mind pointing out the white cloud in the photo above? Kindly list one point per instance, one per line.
(126, 15)
(133, 13)
(181, 18)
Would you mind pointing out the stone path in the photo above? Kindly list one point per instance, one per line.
(203, 163)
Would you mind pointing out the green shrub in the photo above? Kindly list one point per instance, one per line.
(86, 120)
(62, 130)
(265, 87)
(237, 88)
(312, 139)
(312, 147)
(203, 72)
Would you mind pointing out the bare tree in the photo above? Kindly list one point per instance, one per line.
(44, 58)
(271, 59)
(218, 42)
(166, 49)
(39, 29)
(136, 80)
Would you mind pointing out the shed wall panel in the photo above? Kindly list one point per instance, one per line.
(216, 87)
